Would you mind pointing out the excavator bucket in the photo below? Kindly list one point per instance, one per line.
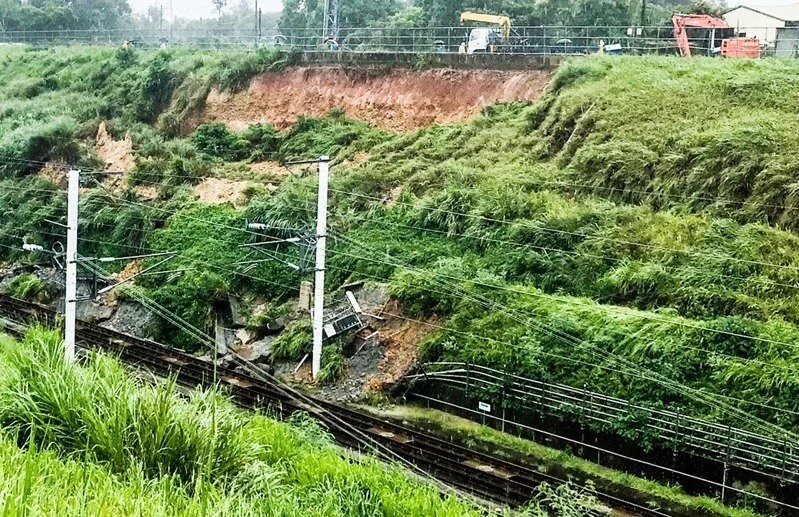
(740, 47)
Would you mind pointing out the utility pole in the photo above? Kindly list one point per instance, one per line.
(643, 13)
(70, 299)
(319, 272)
(330, 20)
(317, 312)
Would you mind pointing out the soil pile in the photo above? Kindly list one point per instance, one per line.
(116, 154)
(401, 100)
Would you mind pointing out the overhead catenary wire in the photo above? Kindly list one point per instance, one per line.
(486, 239)
(573, 301)
(595, 306)
(203, 338)
(521, 224)
(635, 367)
(240, 229)
(537, 228)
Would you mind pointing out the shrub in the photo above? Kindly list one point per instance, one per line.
(215, 140)
(262, 141)
(156, 86)
(293, 342)
(333, 363)
(236, 73)
(26, 286)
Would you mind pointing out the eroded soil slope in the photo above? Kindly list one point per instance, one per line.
(401, 100)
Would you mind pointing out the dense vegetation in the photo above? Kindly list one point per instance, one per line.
(612, 235)
(55, 14)
(394, 14)
(94, 440)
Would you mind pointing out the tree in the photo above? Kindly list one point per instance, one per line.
(62, 14)
(219, 5)
(299, 14)
(708, 7)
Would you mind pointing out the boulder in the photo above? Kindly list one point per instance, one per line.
(225, 338)
(260, 350)
(244, 336)
(94, 313)
(236, 313)
(131, 318)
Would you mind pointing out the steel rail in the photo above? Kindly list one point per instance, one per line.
(474, 472)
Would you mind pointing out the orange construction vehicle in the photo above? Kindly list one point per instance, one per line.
(730, 46)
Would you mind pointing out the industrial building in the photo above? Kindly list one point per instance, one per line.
(776, 26)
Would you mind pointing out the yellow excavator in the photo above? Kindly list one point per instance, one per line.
(486, 39)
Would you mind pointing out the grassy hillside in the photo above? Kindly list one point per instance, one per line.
(631, 232)
(94, 440)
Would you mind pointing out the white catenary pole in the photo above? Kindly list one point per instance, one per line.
(319, 274)
(72, 264)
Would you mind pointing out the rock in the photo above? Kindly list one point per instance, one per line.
(225, 360)
(94, 313)
(372, 297)
(225, 338)
(236, 313)
(131, 318)
(244, 336)
(256, 351)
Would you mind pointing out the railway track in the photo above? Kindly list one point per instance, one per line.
(477, 473)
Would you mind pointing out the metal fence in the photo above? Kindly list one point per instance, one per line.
(774, 457)
(538, 40)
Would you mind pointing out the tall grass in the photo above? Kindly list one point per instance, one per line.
(613, 189)
(710, 135)
(99, 440)
(102, 412)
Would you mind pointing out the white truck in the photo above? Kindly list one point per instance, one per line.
(486, 39)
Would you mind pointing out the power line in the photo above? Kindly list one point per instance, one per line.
(193, 261)
(574, 234)
(568, 300)
(559, 250)
(381, 262)
(623, 310)
(575, 341)
(359, 436)
(235, 228)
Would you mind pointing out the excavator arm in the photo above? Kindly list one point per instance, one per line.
(502, 21)
(681, 21)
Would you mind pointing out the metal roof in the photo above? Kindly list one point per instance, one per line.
(783, 13)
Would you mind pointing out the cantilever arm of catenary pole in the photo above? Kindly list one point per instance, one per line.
(292, 240)
(106, 289)
(130, 257)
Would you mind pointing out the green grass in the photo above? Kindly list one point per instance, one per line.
(639, 199)
(712, 135)
(557, 462)
(96, 440)
(27, 287)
